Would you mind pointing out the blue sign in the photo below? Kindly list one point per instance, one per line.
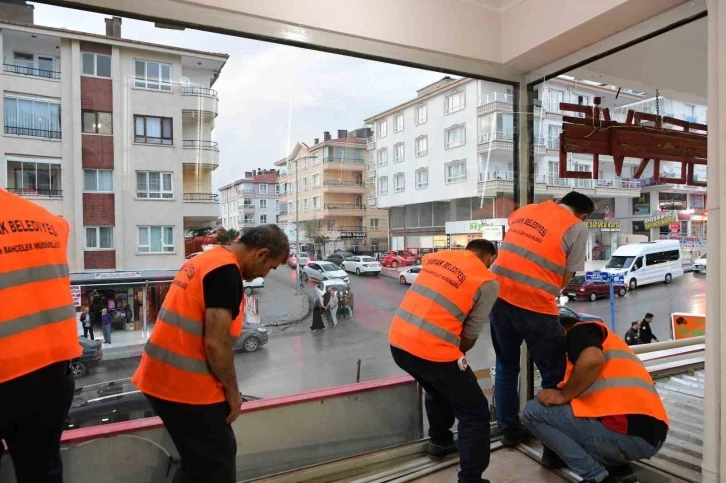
(618, 279)
(596, 276)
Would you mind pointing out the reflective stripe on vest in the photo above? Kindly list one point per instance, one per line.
(523, 252)
(619, 382)
(427, 326)
(175, 360)
(440, 299)
(33, 274)
(37, 319)
(194, 327)
(526, 280)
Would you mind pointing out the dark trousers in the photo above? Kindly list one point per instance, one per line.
(88, 331)
(453, 393)
(545, 338)
(206, 443)
(33, 410)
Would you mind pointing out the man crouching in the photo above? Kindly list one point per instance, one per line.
(604, 414)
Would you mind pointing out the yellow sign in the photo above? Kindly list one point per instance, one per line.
(686, 325)
(660, 220)
(603, 224)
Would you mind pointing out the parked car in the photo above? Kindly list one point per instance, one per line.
(250, 287)
(323, 286)
(393, 259)
(253, 337)
(700, 264)
(302, 258)
(581, 289)
(339, 257)
(318, 271)
(110, 402)
(91, 357)
(409, 275)
(361, 265)
(567, 312)
(413, 258)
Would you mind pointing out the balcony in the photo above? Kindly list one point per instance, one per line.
(200, 153)
(343, 187)
(495, 102)
(371, 145)
(200, 209)
(30, 71)
(496, 181)
(504, 141)
(29, 131)
(246, 208)
(41, 193)
(344, 164)
(332, 209)
(199, 99)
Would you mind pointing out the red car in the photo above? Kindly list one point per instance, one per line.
(581, 289)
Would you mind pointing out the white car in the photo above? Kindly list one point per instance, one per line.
(303, 258)
(361, 265)
(320, 271)
(259, 282)
(409, 276)
(700, 264)
(322, 287)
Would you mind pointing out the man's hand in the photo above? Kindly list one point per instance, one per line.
(234, 398)
(551, 397)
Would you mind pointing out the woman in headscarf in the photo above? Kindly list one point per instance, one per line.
(318, 323)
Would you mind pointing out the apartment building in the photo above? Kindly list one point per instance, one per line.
(114, 135)
(442, 163)
(251, 201)
(323, 186)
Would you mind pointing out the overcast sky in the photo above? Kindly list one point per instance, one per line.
(271, 96)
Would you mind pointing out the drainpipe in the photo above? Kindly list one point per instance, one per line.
(712, 449)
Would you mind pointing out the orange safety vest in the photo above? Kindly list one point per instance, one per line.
(37, 316)
(174, 364)
(531, 262)
(429, 322)
(623, 386)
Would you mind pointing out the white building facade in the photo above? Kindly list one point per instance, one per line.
(252, 201)
(113, 135)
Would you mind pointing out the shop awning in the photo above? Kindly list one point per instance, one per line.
(126, 278)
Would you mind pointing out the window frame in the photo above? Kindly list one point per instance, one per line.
(423, 137)
(263, 222)
(450, 94)
(378, 156)
(382, 180)
(316, 185)
(48, 101)
(375, 226)
(146, 138)
(459, 179)
(35, 191)
(382, 128)
(249, 218)
(160, 81)
(420, 186)
(95, 65)
(396, 117)
(260, 202)
(453, 128)
(96, 123)
(417, 120)
(97, 173)
(316, 206)
(396, 159)
(161, 191)
(163, 245)
(98, 247)
(266, 191)
(402, 176)
(277, 189)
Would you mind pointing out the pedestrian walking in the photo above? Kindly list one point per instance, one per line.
(543, 248)
(646, 333)
(106, 326)
(332, 307)
(342, 307)
(187, 368)
(632, 336)
(318, 323)
(325, 301)
(38, 338)
(349, 301)
(439, 320)
(87, 324)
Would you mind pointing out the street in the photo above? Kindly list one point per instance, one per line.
(296, 360)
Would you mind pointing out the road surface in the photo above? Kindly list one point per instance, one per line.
(296, 360)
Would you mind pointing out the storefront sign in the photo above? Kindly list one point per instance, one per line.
(608, 225)
(473, 227)
(116, 275)
(672, 201)
(352, 234)
(689, 241)
(661, 220)
(492, 232)
(641, 205)
(685, 325)
(604, 209)
(76, 294)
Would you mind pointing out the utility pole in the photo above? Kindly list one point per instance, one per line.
(297, 229)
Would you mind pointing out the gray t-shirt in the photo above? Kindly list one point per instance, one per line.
(574, 244)
(484, 299)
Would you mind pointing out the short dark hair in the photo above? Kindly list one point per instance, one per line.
(633, 323)
(567, 321)
(480, 246)
(648, 315)
(580, 204)
(267, 236)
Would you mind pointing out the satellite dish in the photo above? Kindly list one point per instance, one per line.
(185, 81)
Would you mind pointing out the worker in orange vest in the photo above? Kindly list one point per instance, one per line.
(438, 321)
(38, 337)
(187, 369)
(544, 246)
(607, 397)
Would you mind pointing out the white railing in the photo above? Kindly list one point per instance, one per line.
(495, 97)
(554, 180)
(496, 136)
(553, 143)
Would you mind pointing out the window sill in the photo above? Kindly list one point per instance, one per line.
(421, 155)
(153, 90)
(455, 146)
(455, 181)
(37, 138)
(98, 192)
(24, 76)
(145, 254)
(95, 76)
(422, 122)
(154, 145)
(455, 110)
(98, 249)
(97, 134)
(397, 131)
(41, 197)
(422, 187)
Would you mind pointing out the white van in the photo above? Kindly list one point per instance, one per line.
(647, 262)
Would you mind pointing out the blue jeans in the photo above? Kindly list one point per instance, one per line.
(453, 394)
(107, 333)
(545, 338)
(350, 312)
(584, 444)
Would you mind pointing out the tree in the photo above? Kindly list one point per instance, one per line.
(201, 231)
(225, 237)
(314, 230)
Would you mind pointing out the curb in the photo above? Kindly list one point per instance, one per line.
(307, 309)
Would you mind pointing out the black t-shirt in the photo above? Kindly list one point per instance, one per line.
(650, 429)
(223, 289)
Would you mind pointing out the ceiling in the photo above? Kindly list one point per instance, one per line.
(500, 6)
(674, 62)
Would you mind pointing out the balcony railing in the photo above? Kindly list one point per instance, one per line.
(198, 91)
(22, 70)
(496, 136)
(353, 184)
(343, 206)
(29, 131)
(200, 144)
(496, 97)
(554, 180)
(209, 197)
(336, 159)
(36, 192)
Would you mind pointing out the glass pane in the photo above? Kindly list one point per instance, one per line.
(41, 115)
(15, 175)
(105, 180)
(143, 237)
(88, 61)
(140, 182)
(155, 239)
(45, 64)
(168, 235)
(106, 237)
(25, 115)
(103, 65)
(105, 123)
(153, 127)
(140, 70)
(166, 72)
(91, 238)
(43, 171)
(29, 176)
(89, 122)
(152, 71)
(55, 178)
(167, 128)
(11, 113)
(140, 126)
(154, 181)
(166, 179)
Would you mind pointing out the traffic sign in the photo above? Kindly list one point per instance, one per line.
(596, 276)
(618, 279)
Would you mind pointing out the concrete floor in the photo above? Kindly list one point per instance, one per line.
(296, 360)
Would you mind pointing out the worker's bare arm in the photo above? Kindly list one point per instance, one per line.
(220, 355)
